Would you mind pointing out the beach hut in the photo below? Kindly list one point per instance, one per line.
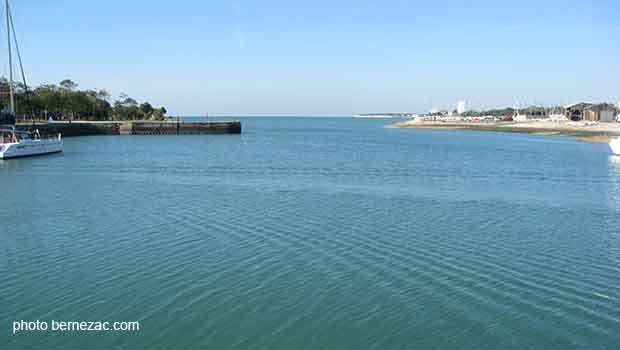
(601, 112)
(576, 111)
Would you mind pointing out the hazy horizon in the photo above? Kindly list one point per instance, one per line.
(321, 58)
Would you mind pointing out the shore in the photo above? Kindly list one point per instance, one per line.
(583, 131)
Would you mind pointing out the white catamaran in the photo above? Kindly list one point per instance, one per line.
(14, 143)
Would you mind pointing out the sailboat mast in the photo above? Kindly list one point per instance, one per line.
(8, 37)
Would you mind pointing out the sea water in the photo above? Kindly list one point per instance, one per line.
(314, 233)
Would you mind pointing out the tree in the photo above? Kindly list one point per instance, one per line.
(159, 114)
(146, 109)
(103, 95)
(68, 84)
(130, 102)
(126, 100)
(65, 100)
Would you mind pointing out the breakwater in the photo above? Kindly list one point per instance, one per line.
(71, 129)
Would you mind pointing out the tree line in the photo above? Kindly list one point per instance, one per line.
(66, 102)
(530, 110)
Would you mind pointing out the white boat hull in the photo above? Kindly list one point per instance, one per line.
(28, 148)
(614, 144)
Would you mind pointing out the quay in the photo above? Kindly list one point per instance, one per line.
(89, 128)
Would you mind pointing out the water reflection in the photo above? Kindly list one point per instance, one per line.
(614, 163)
(11, 164)
(614, 182)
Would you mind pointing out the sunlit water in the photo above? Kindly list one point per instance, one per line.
(315, 233)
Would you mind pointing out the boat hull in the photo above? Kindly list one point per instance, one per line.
(30, 148)
(614, 144)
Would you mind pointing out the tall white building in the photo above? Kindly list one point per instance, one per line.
(461, 107)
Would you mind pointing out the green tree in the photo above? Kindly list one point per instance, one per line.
(65, 101)
(146, 109)
(103, 95)
(68, 84)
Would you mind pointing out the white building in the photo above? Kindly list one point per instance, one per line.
(461, 107)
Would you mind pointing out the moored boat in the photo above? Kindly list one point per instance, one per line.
(16, 144)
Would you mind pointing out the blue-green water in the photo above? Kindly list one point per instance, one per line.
(315, 233)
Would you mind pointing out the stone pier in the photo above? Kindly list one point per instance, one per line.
(70, 129)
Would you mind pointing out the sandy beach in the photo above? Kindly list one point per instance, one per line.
(583, 131)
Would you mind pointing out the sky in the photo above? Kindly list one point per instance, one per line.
(321, 57)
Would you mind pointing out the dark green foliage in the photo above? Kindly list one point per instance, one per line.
(531, 110)
(66, 102)
(493, 112)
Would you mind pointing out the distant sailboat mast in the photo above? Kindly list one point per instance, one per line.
(8, 37)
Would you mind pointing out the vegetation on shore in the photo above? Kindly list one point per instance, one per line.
(66, 102)
(502, 112)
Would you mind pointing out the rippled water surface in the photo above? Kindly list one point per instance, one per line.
(315, 233)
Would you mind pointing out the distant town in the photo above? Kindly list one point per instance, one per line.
(576, 112)
(592, 122)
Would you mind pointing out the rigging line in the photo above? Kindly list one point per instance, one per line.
(9, 47)
(19, 55)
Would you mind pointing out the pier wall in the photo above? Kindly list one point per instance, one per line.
(134, 128)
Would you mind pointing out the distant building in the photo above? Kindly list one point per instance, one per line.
(529, 114)
(461, 107)
(600, 112)
(576, 111)
(520, 118)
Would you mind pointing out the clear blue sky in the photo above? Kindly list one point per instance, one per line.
(326, 57)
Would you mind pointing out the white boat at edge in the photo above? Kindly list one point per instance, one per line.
(17, 144)
(614, 144)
